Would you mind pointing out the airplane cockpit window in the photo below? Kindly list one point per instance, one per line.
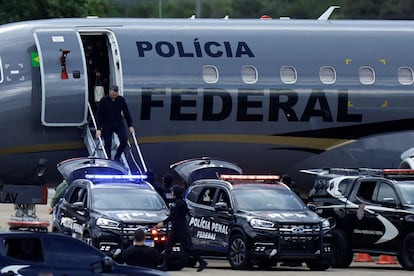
(405, 75)
(210, 74)
(249, 74)
(327, 75)
(366, 75)
(288, 75)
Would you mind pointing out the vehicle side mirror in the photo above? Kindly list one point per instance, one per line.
(78, 205)
(312, 206)
(221, 206)
(389, 202)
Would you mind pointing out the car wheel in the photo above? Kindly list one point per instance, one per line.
(406, 256)
(238, 253)
(318, 265)
(342, 251)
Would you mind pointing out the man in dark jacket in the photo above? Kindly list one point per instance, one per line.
(140, 254)
(179, 229)
(110, 112)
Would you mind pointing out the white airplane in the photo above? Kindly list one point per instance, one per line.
(273, 96)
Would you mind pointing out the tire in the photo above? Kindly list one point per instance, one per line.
(238, 254)
(318, 265)
(342, 251)
(406, 255)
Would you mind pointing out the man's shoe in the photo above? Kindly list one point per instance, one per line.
(203, 264)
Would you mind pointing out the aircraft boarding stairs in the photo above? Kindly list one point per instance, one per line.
(132, 157)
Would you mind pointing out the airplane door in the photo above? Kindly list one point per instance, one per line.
(64, 77)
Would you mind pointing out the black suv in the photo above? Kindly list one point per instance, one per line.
(373, 209)
(104, 207)
(251, 220)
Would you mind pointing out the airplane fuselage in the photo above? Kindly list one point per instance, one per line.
(273, 96)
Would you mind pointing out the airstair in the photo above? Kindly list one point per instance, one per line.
(131, 158)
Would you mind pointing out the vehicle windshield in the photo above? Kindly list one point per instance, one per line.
(407, 192)
(126, 199)
(267, 199)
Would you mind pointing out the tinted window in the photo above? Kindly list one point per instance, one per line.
(267, 199)
(207, 196)
(126, 199)
(193, 194)
(27, 249)
(223, 197)
(72, 252)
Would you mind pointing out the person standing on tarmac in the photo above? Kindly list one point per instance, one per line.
(111, 110)
(179, 230)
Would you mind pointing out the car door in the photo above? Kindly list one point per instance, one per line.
(202, 219)
(70, 255)
(223, 218)
(73, 213)
(24, 255)
(368, 225)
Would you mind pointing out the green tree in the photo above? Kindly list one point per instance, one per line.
(18, 10)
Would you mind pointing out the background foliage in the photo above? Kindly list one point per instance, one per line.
(17, 10)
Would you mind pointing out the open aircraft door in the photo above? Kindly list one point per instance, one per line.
(63, 77)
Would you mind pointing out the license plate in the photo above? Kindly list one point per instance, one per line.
(149, 243)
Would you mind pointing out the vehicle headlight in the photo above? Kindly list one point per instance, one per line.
(107, 223)
(262, 224)
(326, 225)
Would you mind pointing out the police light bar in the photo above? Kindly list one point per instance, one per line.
(399, 173)
(230, 177)
(115, 177)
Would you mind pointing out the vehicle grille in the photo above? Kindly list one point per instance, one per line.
(299, 238)
(128, 229)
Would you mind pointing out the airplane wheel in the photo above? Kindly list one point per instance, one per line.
(406, 256)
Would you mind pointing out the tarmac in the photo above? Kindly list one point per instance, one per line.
(362, 265)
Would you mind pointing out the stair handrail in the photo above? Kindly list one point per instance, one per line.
(141, 158)
(96, 128)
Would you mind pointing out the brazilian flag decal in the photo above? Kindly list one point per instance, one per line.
(35, 59)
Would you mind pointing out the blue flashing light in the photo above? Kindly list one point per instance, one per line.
(115, 177)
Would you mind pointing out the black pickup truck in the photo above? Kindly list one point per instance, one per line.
(373, 210)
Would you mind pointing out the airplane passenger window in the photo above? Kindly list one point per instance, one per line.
(405, 75)
(366, 75)
(288, 75)
(210, 74)
(327, 75)
(249, 74)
